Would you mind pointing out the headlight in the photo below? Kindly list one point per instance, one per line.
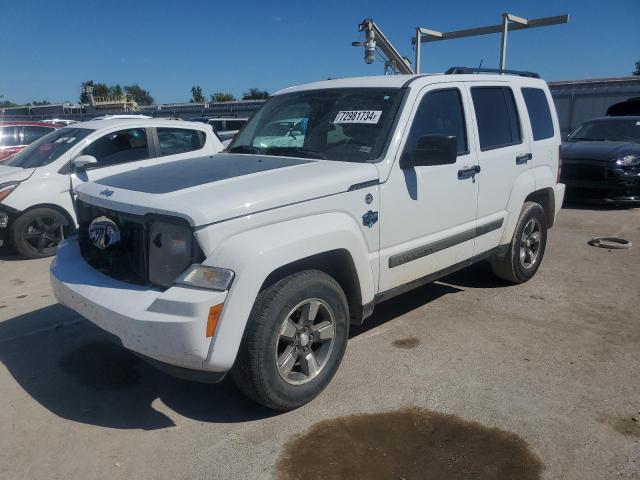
(629, 161)
(7, 188)
(211, 278)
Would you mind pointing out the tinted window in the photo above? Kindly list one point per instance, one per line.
(179, 140)
(439, 113)
(9, 137)
(234, 124)
(31, 133)
(218, 125)
(48, 148)
(539, 113)
(608, 130)
(119, 147)
(497, 117)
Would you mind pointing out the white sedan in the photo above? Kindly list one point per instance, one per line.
(36, 185)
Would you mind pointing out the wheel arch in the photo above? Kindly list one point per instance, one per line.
(545, 197)
(51, 206)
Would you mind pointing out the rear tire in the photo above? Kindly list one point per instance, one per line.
(295, 339)
(527, 247)
(36, 233)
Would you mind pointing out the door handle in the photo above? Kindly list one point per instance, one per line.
(468, 172)
(523, 159)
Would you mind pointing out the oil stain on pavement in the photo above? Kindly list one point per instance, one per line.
(407, 444)
(406, 343)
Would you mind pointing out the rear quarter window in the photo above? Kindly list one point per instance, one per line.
(497, 117)
(539, 113)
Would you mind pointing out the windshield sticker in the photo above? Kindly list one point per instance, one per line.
(365, 149)
(358, 116)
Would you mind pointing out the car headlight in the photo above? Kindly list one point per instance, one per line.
(7, 188)
(628, 161)
(211, 278)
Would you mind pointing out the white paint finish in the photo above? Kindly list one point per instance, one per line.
(256, 223)
(45, 186)
(243, 195)
(424, 204)
(168, 326)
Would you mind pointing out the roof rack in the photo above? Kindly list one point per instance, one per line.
(467, 70)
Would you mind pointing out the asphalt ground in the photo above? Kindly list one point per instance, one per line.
(465, 378)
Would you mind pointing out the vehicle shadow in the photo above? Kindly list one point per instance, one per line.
(569, 204)
(73, 369)
(8, 254)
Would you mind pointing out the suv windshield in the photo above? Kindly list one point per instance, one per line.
(46, 149)
(622, 130)
(346, 124)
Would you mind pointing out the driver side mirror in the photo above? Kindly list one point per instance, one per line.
(83, 161)
(431, 150)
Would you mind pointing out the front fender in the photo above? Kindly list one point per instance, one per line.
(255, 253)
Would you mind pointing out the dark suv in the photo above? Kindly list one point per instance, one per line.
(601, 161)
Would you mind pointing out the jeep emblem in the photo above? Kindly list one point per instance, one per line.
(106, 192)
(104, 233)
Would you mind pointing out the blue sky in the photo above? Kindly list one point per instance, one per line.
(48, 48)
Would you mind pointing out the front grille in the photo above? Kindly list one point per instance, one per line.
(128, 259)
(577, 170)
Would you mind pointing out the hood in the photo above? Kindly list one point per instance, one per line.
(211, 189)
(604, 151)
(14, 174)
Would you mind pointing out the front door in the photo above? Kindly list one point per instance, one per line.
(428, 213)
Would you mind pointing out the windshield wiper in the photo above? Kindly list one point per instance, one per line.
(295, 152)
(245, 149)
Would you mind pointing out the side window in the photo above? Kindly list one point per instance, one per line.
(539, 113)
(440, 113)
(218, 125)
(234, 124)
(32, 133)
(119, 147)
(9, 137)
(497, 117)
(179, 140)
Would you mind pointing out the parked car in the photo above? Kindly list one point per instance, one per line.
(60, 121)
(14, 136)
(225, 128)
(36, 185)
(125, 116)
(601, 161)
(258, 263)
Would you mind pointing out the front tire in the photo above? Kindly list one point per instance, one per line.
(527, 247)
(36, 233)
(295, 340)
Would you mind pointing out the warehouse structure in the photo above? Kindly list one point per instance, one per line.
(580, 100)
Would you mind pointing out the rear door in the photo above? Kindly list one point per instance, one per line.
(504, 154)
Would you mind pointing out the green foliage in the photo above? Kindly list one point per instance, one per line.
(196, 94)
(222, 97)
(37, 103)
(637, 70)
(139, 94)
(7, 103)
(255, 94)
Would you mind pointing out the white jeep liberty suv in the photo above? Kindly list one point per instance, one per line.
(334, 197)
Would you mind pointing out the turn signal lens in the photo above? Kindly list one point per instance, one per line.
(6, 189)
(212, 321)
(212, 278)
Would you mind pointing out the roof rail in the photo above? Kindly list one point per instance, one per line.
(466, 70)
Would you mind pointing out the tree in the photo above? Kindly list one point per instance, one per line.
(6, 103)
(116, 91)
(138, 94)
(196, 94)
(255, 94)
(637, 70)
(99, 90)
(37, 103)
(222, 97)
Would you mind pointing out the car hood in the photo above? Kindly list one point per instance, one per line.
(208, 190)
(605, 151)
(14, 174)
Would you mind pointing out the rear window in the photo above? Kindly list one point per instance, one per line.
(539, 113)
(9, 137)
(497, 117)
(179, 140)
